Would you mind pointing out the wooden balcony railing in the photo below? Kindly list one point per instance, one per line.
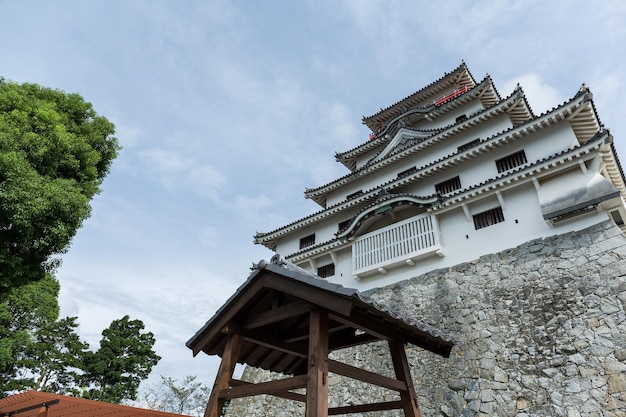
(398, 244)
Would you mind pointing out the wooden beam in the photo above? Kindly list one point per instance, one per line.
(270, 387)
(387, 330)
(317, 386)
(367, 324)
(303, 334)
(342, 342)
(364, 408)
(207, 335)
(403, 373)
(275, 315)
(224, 375)
(263, 338)
(311, 294)
(365, 376)
(288, 395)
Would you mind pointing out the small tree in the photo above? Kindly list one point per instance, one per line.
(54, 358)
(24, 311)
(125, 358)
(187, 397)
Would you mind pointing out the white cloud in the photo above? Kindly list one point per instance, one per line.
(177, 170)
(540, 94)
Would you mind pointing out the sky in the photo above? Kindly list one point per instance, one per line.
(227, 110)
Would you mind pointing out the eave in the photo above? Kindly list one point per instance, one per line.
(485, 91)
(552, 117)
(602, 144)
(547, 166)
(270, 313)
(458, 77)
(516, 102)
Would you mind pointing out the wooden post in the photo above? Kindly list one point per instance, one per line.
(224, 375)
(317, 383)
(403, 373)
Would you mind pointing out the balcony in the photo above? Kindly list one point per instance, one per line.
(399, 244)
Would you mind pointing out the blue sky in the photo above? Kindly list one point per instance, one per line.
(227, 110)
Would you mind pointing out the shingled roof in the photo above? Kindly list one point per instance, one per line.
(270, 310)
(45, 404)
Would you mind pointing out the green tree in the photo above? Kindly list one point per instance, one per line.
(186, 397)
(54, 153)
(53, 360)
(23, 312)
(125, 358)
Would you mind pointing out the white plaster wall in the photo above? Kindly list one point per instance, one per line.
(462, 243)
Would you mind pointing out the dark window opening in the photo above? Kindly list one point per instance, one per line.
(344, 225)
(407, 172)
(617, 218)
(511, 161)
(488, 218)
(468, 145)
(448, 186)
(307, 241)
(354, 195)
(326, 271)
(461, 118)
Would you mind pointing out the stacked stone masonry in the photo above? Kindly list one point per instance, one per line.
(540, 330)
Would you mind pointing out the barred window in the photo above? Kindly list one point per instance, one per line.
(355, 194)
(488, 218)
(307, 241)
(511, 161)
(326, 271)
(468, 145)
(344, 225)
(407, 172)
(448, 186)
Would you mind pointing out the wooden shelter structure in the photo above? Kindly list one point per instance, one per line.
(287, 320)
(45, 404)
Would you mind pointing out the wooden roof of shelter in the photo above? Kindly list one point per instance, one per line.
(45, 404)
(287, 320)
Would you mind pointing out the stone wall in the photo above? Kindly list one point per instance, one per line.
(540, 330)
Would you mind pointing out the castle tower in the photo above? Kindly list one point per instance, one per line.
(499, 226)
(452, 172)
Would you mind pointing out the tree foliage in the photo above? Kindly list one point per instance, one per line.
(42, 352)
(54, 153)
(24, 311)
(186, 397)
(124, 359)
(53, 360)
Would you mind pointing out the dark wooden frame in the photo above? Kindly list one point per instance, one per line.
(316, 379)
(289, 322)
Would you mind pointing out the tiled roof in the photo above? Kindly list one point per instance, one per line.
(358, 172)
(380, 139)
(31, 403)
(460, 195)
(460, 69)
(509, 134)
(297, 286)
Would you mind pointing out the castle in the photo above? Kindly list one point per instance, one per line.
(503, 227)
(450, 173)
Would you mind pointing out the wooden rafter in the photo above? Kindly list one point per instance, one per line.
(288, 323)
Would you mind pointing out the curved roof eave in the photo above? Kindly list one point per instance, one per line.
(450, 201)
(347, 157)
(461, 73)
(318, 194)
(512, 133)
(385, 200)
